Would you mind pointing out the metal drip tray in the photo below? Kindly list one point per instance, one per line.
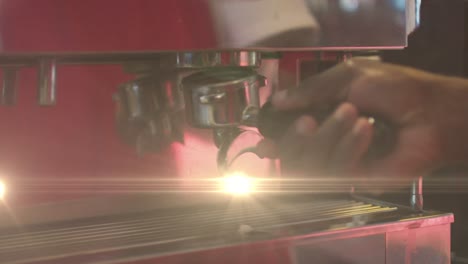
(168, 231)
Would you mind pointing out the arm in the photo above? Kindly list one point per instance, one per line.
(451, 99)
(428, 111)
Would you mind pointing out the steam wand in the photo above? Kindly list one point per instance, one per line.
(224, 138)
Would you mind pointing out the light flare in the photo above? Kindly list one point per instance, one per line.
(2, 190)
(238, 184)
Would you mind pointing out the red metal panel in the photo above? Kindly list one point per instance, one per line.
(77, 138)
(79, 25)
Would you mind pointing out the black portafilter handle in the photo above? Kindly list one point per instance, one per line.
(273, 124)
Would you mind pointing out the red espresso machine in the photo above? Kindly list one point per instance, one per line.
(120, 119)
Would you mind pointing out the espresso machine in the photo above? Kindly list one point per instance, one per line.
(194, 94)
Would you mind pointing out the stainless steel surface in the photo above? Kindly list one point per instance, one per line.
(47, 83)
(135, 63)
(149, 112)
(421, 245)
(221, 98)
(163, 59)
(312, 23)
(9, 86)
(417, 202)
(197, 227)
(294, 24)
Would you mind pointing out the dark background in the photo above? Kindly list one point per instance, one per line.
(439, 45)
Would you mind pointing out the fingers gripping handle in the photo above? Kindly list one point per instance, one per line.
(273, 124)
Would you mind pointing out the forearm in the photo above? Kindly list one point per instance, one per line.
(451, 110)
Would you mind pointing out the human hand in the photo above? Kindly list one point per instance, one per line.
(425, 110)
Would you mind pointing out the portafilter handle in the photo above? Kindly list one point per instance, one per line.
(273, 124)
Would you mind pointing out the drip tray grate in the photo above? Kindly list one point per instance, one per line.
(165, 227)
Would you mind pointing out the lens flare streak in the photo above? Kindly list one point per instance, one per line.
(236, 183)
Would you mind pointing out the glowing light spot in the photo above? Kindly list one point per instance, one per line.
(418, 12)
(238, 184)
(399, 4)
(349, 5)
(2, 190)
